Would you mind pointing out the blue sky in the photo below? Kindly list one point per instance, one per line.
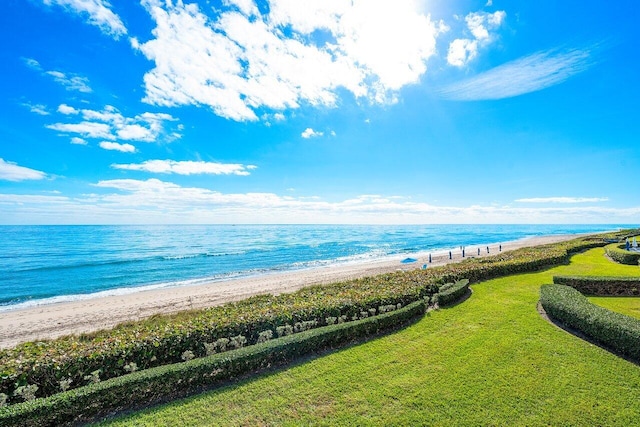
(334, 111)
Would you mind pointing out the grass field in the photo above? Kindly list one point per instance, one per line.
(625, 305)
(491, 360)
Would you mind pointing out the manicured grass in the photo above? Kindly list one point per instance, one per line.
(491, 360)
(625, 305)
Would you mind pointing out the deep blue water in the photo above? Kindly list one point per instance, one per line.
(68, 262)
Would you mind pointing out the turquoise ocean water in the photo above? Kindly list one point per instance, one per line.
(44, 264)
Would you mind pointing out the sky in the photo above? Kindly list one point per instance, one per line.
(319, 111)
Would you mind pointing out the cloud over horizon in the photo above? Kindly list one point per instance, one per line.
(157, 201)
(563, 200)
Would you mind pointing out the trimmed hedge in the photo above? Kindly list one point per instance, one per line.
(601, 286)
(156, 384)
(618, 253)
(162, 340)
(614, 330)
(452, 292)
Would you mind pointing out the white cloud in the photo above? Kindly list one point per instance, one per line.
(39, 109)
(124, 148)
(156, 201)
(481, 25)
(246, 7)
(310, 133)
(111, 124)
(71, 82)
(67, 110)
(528, 74)
(86, 129)
(188, 167)
(240, 60)
(10, 171)
(78, 141)
(462, 51)
(98, 12)
(563, 200)
(32, 63)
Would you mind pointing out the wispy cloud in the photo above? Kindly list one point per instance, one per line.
(114, 146)
(69, 81)
(38, 109)
(563, 200)
(188, 167)
(528, 74)
(310, 133)
(10, 171)
(97, 12)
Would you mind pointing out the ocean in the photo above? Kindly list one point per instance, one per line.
(46, 264)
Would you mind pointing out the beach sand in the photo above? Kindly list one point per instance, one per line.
(59, 319)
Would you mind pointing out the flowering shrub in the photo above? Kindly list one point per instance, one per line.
(142, 388)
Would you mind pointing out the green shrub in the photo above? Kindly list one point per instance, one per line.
(614, 330)
(452, 292)
(601, 286)
(169, 381)
(617, 252)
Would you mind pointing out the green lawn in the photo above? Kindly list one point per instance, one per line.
(625, 305)
(491, 360)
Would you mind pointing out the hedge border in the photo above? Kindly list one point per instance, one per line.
(615, 331)
(601, 286)
(616, 252)
(452, 293)
(154, 385)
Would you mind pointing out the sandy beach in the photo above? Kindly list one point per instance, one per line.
(59, 319)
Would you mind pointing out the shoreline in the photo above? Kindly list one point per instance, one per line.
(53, 320)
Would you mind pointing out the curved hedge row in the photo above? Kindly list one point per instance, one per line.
(601, 286)
(452, 292)
(617, 253)
(614, 330)
(155, 384)
(74, 361)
